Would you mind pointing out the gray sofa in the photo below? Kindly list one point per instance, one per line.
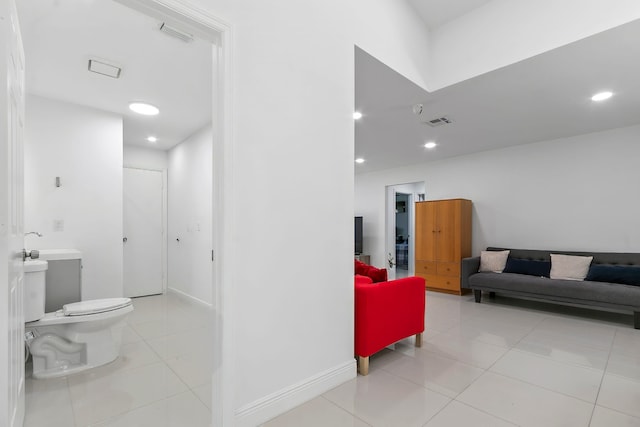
(586, 293)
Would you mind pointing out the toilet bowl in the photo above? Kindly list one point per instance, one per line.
(80, 336)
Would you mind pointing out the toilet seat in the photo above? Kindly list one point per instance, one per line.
(112, 309)
(94, 306)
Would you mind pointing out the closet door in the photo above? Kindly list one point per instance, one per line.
(426, 235)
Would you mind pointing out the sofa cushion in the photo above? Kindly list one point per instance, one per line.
(580, 292)
(627, 274)
(569, 267)
(494, 261)
(528, 267)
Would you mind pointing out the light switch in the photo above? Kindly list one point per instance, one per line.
(58, 225)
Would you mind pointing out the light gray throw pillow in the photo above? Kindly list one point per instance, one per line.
(570, 267)
(493, 261)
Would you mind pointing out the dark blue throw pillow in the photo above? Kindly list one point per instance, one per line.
(528, 267)
(625, 274)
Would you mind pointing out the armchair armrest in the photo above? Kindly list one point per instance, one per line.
(387, 312)
(469, 266)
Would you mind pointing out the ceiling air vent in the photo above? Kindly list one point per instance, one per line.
(439, 121)
(102, 67)
(174, 32)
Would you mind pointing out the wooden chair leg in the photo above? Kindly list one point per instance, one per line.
(363, 365)
(419, 340)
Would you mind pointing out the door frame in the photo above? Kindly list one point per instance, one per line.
(220, 34)
(165, 199)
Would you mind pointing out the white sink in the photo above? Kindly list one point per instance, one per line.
(59, 254)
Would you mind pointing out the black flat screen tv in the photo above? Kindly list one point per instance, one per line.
(358, 236)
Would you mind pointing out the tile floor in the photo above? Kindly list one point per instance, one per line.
(505, 362)
(162, 378)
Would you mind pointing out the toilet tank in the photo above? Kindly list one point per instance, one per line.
(34, 289)
(64, 277)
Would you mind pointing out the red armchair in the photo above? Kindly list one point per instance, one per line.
(386, 312)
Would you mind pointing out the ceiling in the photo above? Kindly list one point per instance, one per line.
(437, 12)
(538, 99)
(60, 36)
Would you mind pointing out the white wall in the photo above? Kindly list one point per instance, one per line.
(82, 146)
(189, 216)
(293, 139)
(144, 158)
(392, 32)
(574, 193)
(503, 32)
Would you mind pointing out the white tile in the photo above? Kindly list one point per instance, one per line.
(204, 394)
(472, 352)
(183, 409)
(318, 412)
(577, 381)
(48, 403)
(98, 396)
(135, 355)
(627, 342)
(624, 365)
(191, 341)
(194, 369)
(621, 394)
(382, 399)
(583, 332)
(525, 404)
(604, 417)
(172, 323)
(457, 414)
(128, 334)
(563, 349)
(497, 332)
(437, 373)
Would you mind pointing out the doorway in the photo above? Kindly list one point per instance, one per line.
(400, 227)
(217, 33)
(403, 234)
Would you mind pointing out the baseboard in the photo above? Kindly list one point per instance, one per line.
(189, 297)
(262, 410)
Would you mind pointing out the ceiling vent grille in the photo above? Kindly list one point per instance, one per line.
(174, 32)
(439, 121)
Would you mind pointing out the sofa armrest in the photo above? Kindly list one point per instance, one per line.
(469, 266)
(387, 312)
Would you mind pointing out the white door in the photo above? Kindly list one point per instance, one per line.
(143, 232)
(11, 218)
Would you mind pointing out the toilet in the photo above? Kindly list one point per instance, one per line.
(80, 336)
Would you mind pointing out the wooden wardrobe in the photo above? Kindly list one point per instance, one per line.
(443, 238)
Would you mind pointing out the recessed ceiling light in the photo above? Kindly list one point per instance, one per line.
(601, 96)
(143, 108)
(152, 139)
(430, 145)
(359, 160)
(357, 115)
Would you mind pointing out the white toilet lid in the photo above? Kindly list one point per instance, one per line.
(94, 306)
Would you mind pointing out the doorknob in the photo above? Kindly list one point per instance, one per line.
(34, 254)
(124, 239)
